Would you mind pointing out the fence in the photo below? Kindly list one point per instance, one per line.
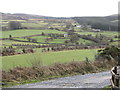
(115, 79)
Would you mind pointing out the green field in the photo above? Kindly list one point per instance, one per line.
(37, 24)
(40, 38)
(25, 32)
(83, 41)
(106, 33)
(9, 42)
(58, 41)
(48, 58)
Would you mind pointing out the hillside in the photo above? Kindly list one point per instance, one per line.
(103, 23)
(22, 16)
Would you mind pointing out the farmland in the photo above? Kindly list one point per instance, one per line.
(38, 48)
(47, 58)
(25, 32)
(107, 33)
(51, 36)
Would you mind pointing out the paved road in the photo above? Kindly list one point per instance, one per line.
(94, 80)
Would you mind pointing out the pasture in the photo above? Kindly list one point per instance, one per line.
(10, 42)
(36, 24)
(47, 58)
(25, 32)
(83, 41)
(106, 33)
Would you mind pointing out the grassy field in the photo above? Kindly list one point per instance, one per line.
(83, 41)
(25, 32)
(37, 24)
(40, 38)
(106, 33)
(58, 41)
(9, 42)
(47, 58)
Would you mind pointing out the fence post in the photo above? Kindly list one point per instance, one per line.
(113, 77)
(115, 70)
(116, 80)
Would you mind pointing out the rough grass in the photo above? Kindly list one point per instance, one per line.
(39, 72)
(47, 58)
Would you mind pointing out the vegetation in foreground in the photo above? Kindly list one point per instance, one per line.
(105, 60)
(19, 74)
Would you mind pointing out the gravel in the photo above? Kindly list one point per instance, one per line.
(94, 80)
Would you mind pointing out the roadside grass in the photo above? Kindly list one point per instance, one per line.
(47, 58)
(107, 88)
(15, 83)
(26, 32)
(24, 75)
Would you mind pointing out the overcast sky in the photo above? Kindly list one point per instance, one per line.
(61, 8)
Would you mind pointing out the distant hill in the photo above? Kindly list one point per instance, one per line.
(22, 16)
(103, 23)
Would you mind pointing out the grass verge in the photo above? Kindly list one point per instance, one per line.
(22, 75)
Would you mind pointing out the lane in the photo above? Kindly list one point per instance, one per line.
(94, 80)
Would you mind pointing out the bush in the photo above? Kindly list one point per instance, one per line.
(109, 53)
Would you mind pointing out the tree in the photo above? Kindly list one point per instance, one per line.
(10, 36)
(43, 33)
(74, 38)
(13, 25)
(29, 39)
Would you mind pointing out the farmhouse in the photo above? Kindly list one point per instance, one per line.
(95, 30)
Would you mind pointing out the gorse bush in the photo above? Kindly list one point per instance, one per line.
(109, 53)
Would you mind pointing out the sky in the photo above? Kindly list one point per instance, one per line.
(61, 8)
